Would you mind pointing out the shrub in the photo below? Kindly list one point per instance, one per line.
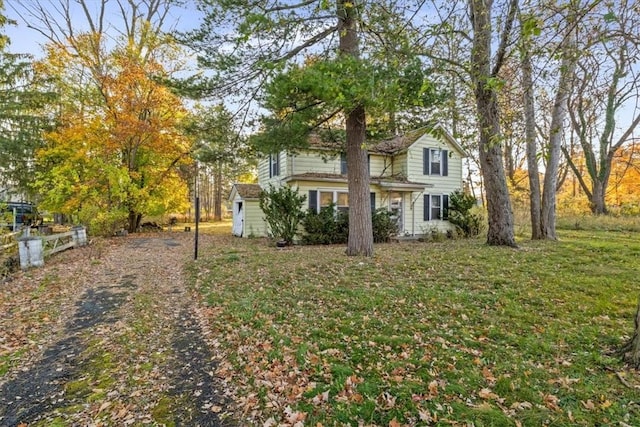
(282, 208)
(104, 223)
(326, 227)
(462, 215)
(384, 225)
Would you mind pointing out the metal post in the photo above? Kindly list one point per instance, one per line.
(197, 207)
(195, 255)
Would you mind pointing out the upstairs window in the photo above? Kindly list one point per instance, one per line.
(343, 164)
(435, 162)
(274, 165)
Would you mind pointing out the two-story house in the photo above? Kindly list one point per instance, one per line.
(412, 175)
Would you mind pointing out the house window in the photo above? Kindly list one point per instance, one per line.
(435, 162)
(343, 164)
(339, 198)
(436, 206)
(342, 202)
(326, 198)
(274, 165)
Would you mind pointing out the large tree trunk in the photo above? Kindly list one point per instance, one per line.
(134, 221)
(500, 217)
(560, 106)
(217, 204)
(598, 204)
(360, 227)
(630, 352)
(532, 148)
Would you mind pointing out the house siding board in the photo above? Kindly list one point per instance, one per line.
(313, 162)
(377, 165)
(254, 224)
(442, 185)
(264, 171)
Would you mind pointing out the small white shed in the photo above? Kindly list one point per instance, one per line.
(246, 210)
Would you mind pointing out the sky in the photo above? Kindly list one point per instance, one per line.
(27, 40)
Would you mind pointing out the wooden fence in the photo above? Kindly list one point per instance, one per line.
(8, 241)
(57, 243)
(33, 249)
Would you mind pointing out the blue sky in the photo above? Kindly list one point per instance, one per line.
(27, 40)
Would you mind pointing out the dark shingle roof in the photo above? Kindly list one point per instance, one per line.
(248, 191)
(391, 145)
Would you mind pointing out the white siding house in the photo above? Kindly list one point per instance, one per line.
(411, 174)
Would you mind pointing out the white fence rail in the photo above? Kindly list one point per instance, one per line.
(57, 243)
(33, 249)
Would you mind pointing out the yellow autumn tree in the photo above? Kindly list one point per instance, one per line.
(623, 195)
(117, 151)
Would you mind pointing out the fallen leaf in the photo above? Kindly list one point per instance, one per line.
(487, 394)
(588, 404)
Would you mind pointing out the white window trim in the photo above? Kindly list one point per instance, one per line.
(431, 162)
(334, 199)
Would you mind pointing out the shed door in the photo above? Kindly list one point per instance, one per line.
(238, 219)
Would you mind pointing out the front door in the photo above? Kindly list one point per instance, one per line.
(396, 209)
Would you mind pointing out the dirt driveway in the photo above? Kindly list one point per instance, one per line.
(108, 335)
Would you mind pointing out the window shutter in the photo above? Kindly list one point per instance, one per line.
(270, 165)
(427, 207)
(343, 164)
(313, 200)
(425, 161)
(277, 172)
(373, 202)
(445, 206)
(445, 163)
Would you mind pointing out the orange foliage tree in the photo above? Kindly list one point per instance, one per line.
(116, 153)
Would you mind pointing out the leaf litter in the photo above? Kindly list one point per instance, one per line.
(108, 335)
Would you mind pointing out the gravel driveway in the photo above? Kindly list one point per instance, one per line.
(108, 335)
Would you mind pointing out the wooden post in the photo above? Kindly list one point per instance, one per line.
(31, 253)
(79, 235)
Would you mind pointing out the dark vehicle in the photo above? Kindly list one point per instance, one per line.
(16, 215)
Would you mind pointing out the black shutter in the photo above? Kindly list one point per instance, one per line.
(373, 202)
(427, 207)
(313, 200)
(270, 165)
(445, 207)
(425, 161)
(445, 163)
(343, 164)
(277, 172)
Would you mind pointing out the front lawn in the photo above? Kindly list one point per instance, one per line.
(450, 333)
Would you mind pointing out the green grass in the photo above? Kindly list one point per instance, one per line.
(454, 332)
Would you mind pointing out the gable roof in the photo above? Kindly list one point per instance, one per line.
(246, 191)
(390, 146)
